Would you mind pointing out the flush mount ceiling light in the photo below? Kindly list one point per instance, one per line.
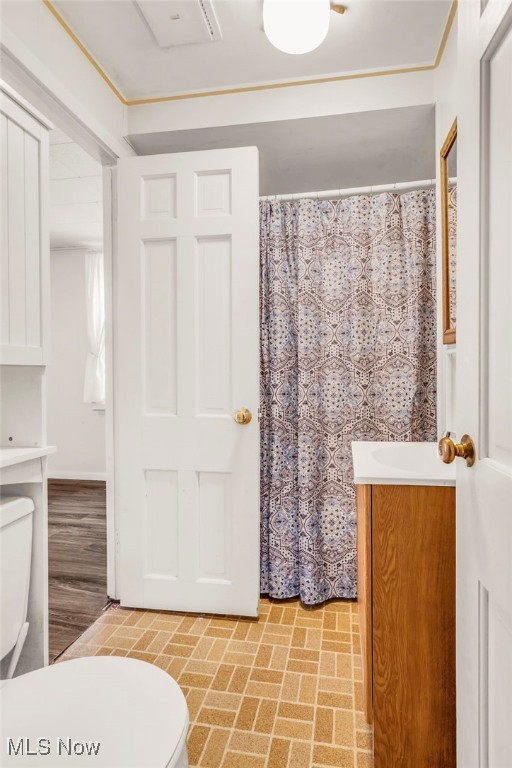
(297, 26)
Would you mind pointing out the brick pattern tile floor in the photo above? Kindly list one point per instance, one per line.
(282, 691)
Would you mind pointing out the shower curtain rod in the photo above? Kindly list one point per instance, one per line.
(329, 194)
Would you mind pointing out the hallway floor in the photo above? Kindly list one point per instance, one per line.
(282, 691)
(77, 559)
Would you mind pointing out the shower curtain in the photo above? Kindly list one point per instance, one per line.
(348, 352)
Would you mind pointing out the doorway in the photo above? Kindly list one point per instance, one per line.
(77, 565)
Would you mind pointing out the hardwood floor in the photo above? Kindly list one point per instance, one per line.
(77, 559)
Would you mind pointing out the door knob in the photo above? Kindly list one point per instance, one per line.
(243, 416)
(448, 450)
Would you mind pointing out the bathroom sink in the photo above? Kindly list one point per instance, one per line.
(400, 464)
(409, 457)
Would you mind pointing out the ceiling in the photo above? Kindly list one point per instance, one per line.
(76, 208)
(372, 35)
(321, 153)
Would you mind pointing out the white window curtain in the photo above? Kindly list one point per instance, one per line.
(94, 384)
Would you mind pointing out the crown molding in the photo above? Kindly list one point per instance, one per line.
(253, 88)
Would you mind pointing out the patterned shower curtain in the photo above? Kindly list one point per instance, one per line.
(348, 352)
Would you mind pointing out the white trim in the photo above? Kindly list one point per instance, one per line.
(108, 249)
(65, 474)
(31, 90)
(70, 248)
(24, 104)
(329, 194)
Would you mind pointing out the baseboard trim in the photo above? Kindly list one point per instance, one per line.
(72, 475)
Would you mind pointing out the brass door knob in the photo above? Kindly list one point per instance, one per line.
(243, 416)
(448, 450)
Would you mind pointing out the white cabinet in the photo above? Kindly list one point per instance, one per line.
(24, 248)
(24, 305)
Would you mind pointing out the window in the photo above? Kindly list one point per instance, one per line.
(94, 383)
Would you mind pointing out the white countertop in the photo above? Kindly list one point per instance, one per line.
(400, 464)
(10, 456)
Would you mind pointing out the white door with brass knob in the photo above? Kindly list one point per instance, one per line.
(187, 381)
(484, 387)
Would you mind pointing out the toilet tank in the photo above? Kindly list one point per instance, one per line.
(15, 557)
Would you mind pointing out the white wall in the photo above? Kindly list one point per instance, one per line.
(445, 86)
(345, 97)
(74, 427)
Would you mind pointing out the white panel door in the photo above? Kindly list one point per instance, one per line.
(186, 359)
(484, 386)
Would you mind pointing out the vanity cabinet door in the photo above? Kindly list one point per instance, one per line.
(24, 156)
(413, 591)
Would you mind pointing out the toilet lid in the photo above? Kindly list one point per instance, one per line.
(134, 710)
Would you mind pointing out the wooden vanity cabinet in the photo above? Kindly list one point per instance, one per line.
(406, 595)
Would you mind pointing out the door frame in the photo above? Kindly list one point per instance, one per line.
(109, 172)
(29, 87)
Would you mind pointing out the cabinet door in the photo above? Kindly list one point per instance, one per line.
(413, 568)
(24, 235)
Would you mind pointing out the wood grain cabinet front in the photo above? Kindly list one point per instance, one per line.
(406, 574)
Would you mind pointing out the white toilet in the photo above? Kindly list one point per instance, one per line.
(105, 711)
